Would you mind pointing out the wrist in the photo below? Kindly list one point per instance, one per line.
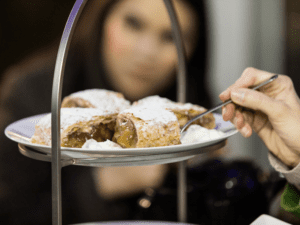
(288, 158)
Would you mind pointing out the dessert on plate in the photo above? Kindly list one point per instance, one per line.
(77, 126)
(98, 118)
(183, 112)
(96, 98)
(140, 127)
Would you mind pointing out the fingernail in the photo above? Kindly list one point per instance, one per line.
(244, 131)
(224, 111)
(238, 96)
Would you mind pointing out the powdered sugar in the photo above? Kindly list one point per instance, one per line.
(93, 144)
(157, 101)
(152, 116)
(69, 116)
(153, 102)
(101, 98)
(196, 133)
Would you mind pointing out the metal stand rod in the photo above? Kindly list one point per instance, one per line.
(181, 74)
(55, 109)
(181, 97)
(181, 192)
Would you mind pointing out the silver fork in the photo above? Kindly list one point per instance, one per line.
(225, 103)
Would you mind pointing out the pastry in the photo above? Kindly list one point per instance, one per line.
(140, 127)
(77, 126)
(96, 98)
(183, 112)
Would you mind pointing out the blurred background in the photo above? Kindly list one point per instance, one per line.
(262, 34)
(27, 26)
(242, 33)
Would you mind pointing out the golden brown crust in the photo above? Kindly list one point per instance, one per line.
(183, 116)
(100, 129)
(134, 132)
(97, 125)
(70, 102)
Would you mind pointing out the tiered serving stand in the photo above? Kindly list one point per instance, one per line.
(60, 157)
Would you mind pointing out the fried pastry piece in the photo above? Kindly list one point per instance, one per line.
(77, 126)
(140, 127)
(96, 98)
(183, 112)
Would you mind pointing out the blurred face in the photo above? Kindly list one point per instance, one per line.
(137, 46)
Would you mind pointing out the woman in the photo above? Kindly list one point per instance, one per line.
(125, 46)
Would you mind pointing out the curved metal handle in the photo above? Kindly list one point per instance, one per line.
(181, 97)
(55, 109)
(181, 74)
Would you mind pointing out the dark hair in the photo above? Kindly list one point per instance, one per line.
(89, 32)
(197, 65)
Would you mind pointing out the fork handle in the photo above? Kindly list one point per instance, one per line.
(225, 103)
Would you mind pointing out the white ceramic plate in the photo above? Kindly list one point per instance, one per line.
(21, 131)
(268, 220)
(262, 220)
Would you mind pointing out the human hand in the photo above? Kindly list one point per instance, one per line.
(274, 112)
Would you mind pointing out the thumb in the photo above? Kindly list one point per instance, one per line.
(255, 100)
